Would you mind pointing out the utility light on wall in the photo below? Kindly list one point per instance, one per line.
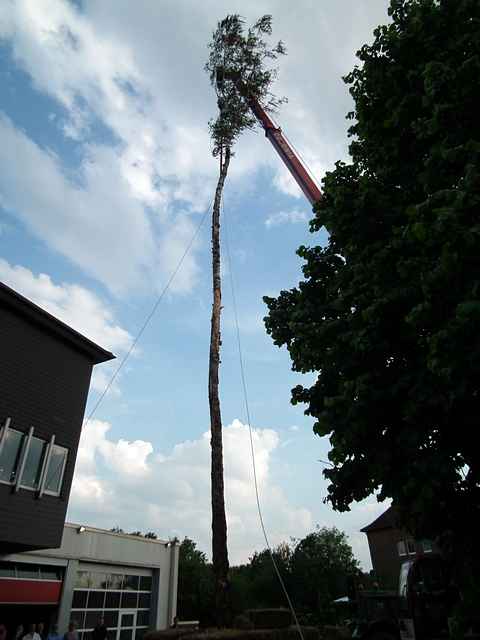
(81, 529)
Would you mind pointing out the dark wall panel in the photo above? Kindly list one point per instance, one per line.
(43, 383)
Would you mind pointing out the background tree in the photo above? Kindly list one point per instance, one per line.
(315, 570)
(321, 565)
(388, 312)
(238, 71)
(264, 589)
(195, 584)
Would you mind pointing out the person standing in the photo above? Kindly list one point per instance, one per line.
(53, 634)
(100, 630)
(19, 632)
(41, 630)
(72, 633)
(31, 633)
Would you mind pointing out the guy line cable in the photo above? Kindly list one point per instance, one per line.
(149, 317)
(250, 429)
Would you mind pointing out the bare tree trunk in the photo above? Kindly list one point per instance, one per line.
(219, 523)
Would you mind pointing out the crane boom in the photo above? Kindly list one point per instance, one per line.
(286, 153)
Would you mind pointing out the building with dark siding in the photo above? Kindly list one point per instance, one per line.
(45, 370)
(53, 572)
(390, 546)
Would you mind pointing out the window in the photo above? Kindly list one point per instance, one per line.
(402, 549)
(92, 618)
(56, 467)
(10, 455)
(124, 601)
(144, 601)
(145, 583)
(96, 600)
(143, 618)
(28, 571)
(32, 470)
(40, 465)
(131, 583)
(111, 618)
(98, 580)
(427, 546)
(115, 582)
(83, 579)
(411, 547)
(7, 570)
(51, 572)
(112, 601)
(79, 599)
(129, 600)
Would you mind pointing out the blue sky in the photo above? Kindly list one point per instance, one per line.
(105, 173)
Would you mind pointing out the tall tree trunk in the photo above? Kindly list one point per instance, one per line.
(219, 523)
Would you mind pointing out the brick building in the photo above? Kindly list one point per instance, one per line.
(390, 546)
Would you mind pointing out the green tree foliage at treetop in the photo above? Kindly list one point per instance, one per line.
(239, 70)
(388, 312)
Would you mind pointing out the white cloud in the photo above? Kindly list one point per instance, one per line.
(285, 217)
(130, 484)
(137, 70)
(97, 226)
(76, 306)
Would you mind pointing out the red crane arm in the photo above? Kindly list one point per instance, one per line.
(286, 153)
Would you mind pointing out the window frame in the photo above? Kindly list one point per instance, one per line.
(62, 473)
(46, 464)
(27, 437)
(3, 436)
(3, 432)
(23, 459)
(42, 465)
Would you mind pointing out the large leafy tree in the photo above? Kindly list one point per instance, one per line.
(240, 70)
(388, 313)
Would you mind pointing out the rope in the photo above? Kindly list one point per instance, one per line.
(148, 318)
(250, 430)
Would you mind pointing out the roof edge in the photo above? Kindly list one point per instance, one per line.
(386, 520)
(46, 320)
(86, 528)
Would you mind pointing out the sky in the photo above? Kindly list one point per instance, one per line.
(106, 173)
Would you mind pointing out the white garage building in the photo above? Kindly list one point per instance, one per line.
(129, 581)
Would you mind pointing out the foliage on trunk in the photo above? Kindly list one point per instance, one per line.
(388, 312)
(239, 66)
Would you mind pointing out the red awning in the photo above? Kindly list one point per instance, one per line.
(14, 591)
